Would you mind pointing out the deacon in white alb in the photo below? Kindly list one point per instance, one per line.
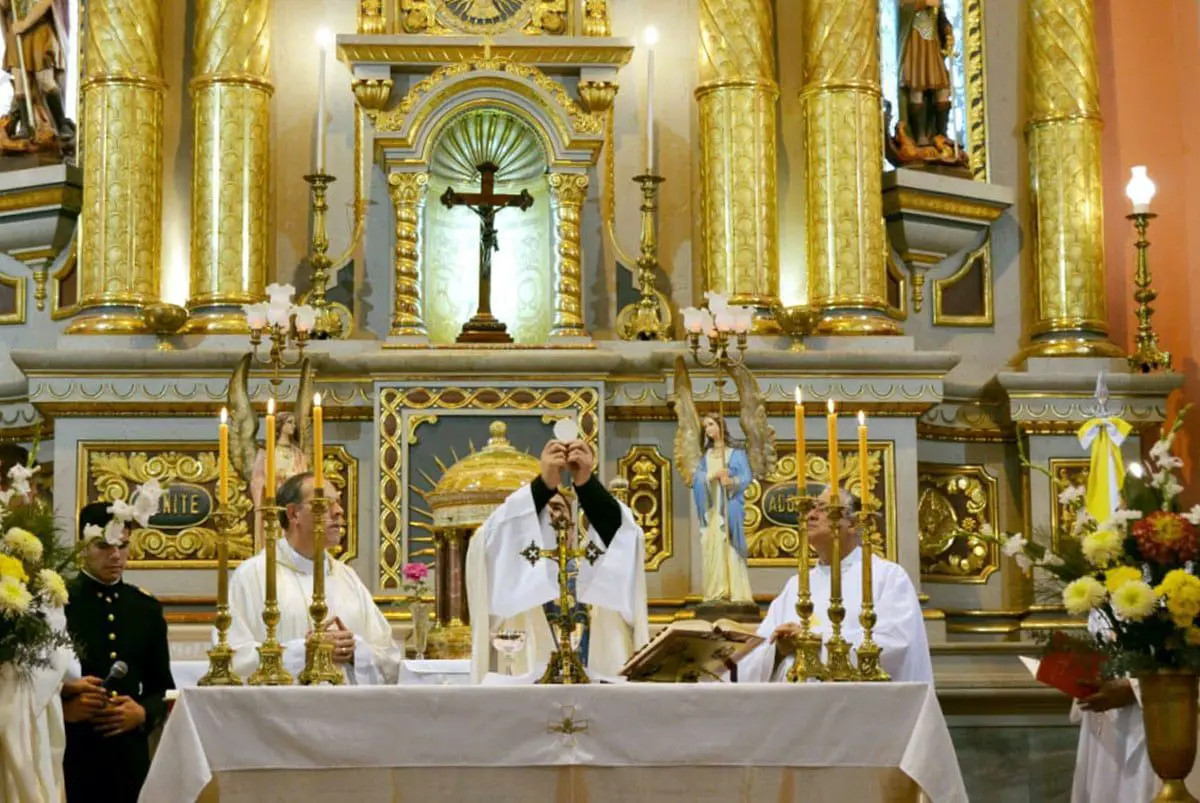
(363, 645)
(506, 592)
(899, 630)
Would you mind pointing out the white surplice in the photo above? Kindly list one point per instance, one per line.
(376, 657)
(506, 592)
(899, 629)
(33, 738)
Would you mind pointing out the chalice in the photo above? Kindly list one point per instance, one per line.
(508, 643)
(797, 323)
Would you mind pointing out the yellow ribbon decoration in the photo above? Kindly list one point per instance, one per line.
(1106, 471)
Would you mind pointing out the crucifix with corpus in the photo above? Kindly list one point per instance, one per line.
(483, 326)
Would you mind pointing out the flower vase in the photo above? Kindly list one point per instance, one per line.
(421, 623)
(1169, 710)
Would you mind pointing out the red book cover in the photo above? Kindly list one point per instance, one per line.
(1071, 669)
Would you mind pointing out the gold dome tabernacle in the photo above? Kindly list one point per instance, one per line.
(474, 486)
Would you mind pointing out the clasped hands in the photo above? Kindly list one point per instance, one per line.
(574, 456)
(85, 700)
(342, 639)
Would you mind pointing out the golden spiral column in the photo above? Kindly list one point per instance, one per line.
(737, 96)
(408, 198)
(120, 230)
(1070, 311)
(567, 193)
(231, 170)
(847, 272)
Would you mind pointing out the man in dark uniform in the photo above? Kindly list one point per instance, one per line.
(108, 753)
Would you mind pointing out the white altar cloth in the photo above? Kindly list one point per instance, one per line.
(634, 742)
(435, 672)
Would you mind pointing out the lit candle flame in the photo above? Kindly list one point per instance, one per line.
(830, 406)
(862, 418)
(316, 399)
(799, 397)
(270, 407)
(224, 416)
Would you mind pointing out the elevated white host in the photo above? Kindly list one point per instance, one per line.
(566, 430)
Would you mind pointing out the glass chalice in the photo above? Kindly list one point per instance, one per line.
(508, 643)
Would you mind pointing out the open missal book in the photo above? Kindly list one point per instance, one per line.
(1069, 667)
(691, 651)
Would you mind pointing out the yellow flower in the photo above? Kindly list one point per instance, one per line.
(11, 567)
(1082, 595)
(1115, 578)
(23, 544)
(53, 587)
(1134, 601)
(1182, 593)
(1102, 547)
(14, 597)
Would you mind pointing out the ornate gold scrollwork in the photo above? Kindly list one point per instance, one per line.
(771, 534)
(648, 474)
(395, 429)
(1069, 471)
(956, 502)
(181, 535)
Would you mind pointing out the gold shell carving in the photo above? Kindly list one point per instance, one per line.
(955, 505)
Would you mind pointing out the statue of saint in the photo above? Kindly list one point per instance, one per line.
(926, 42)
(35, 41)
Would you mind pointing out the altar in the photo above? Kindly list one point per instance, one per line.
(596, 743)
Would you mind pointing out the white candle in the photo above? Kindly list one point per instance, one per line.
(651, 40)
(323, 41)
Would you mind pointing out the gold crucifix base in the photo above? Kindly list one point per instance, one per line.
(484, 328)
(564, 669)
(318, 662)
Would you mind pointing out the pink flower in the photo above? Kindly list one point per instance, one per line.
(415, 572)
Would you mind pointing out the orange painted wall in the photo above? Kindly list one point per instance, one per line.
(1149, 59)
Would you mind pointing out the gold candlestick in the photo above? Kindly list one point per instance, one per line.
(1147, 357)
(270, 671)
(220, 657)
(318, 647)
(838, 663)
(328, 324)
(565, 666)
(808, 664)
(868, 652)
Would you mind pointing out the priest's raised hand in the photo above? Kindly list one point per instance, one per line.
(506, 592)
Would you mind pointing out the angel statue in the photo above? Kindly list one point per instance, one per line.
(718, 471)
(293, 435)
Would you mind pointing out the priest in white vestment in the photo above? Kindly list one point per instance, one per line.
(899, 629)
(363, 646)
(506, 592)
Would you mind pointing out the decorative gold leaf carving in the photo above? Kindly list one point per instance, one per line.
(955, 504)
(648, 474)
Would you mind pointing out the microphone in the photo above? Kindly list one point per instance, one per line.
(119, 670)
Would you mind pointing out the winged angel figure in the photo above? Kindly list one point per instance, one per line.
(718, 471)
(293, 435)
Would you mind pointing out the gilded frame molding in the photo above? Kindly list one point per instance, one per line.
(399, 409)
(940, 286)
(648, 473)
(989, 514)
(70, 265)
(20, 313)
(1062, 469)
(899, 313)
(975, 69)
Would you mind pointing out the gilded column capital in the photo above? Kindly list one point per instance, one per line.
(1063, 79)
(567, 193)
(408, 199)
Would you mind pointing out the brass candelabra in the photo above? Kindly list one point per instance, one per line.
(565, 666)
(328, 323)
(282, 338)
(318, 647)
(808, 664)
(643, 320)
(868, 652)
(1147, 357)
(270, 671)
(837, 649)
(220, 657)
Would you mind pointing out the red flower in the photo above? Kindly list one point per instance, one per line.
(1166, 538)
(415, 572)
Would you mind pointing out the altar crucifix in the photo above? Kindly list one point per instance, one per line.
(483, 326)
